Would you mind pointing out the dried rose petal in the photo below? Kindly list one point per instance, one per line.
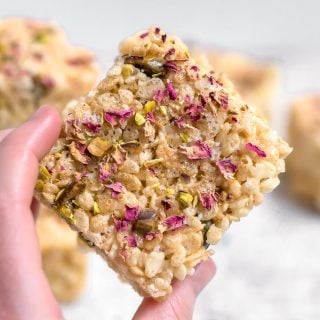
(199, 150)
(164, 38)
(194, 111)
(93, 127)
(175, 222)
(151, 170)
(143, 35)
(234, 120)
(170, 52)
(123, 254)
(180, 122)
(187, 99)
(158, 96)
(48, 82)
(151, 235)
(208, 199)
(166, 204)
(157, 30)
(81, 147)
(172, 66)
(194, 68)
(116, 188)
(131, 214)
(118, 156)
(224, 100)
(132, 241)
(104, 175)
(212, 80)
(256, 149)
(113, 116)
(227, 168)
(203, 100)
(171, 91)
(120, 225)
(150, 117)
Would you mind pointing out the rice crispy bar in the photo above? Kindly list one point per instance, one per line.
(256, 82)
(64, 265)
(38, 66)
(156, 162)
(304, 134)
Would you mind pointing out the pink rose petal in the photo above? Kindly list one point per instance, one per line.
(115, 116)
(199, 150)
(116, 188)
(131, 213)
(131, 240)
(256, 149)
(175, 222)
(227, 168)
(171, 91)
(120, 225)
(208, 199)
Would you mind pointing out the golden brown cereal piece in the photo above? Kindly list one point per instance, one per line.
(304, 135)
(38, 66)
(64, 265)
(256, 82)
(188, 158)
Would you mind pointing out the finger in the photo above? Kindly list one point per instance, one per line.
(20, 260)
(4, 133)
(21, 150)
(180, 303)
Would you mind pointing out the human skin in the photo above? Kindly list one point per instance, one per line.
(24, 290)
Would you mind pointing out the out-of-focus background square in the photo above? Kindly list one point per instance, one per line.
(269, 264)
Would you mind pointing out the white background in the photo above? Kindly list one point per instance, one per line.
(269, 264)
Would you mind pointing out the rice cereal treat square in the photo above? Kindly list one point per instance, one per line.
(63, 263)
(39, 66)
(304, 135)
(156, 163)
(256, 82)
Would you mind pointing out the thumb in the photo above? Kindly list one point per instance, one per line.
(180, 303)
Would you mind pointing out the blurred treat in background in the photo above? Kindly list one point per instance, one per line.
(256, 82)
(304, 136)
(64, 265)
(38, 66)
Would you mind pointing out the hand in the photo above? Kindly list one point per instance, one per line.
(24, 290)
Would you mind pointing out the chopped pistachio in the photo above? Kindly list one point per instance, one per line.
(39, 185)
(195, 200)
(163, 110)
(149, 106)
(98, 146)
(96, 209)
(144, 226)
(156, 186)
(44, 173)
(139, 119)
(185, 198)
(127, 70)
(152, 162)
(169, 192)
(66, 212)
(184, 137)
(41, 37)
(59, 194)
